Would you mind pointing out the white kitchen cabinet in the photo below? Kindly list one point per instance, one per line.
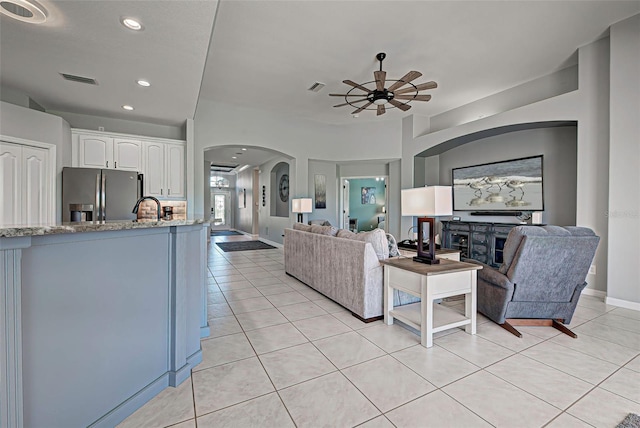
(25, 184)
(163, 166)
(174, 171)
(101, 151)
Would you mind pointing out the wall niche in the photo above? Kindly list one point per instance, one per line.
(279, 190)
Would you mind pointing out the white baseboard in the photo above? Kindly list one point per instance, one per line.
(622, 303)
(275, 244)
(595, 293)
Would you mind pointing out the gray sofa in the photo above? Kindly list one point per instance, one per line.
(541, 278)
(346, 270)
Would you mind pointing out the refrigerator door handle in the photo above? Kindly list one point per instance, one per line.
(103, 201)
(96, 207)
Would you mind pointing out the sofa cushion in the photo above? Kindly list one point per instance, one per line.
(378, 240)
(324, 230)
(301, 226)
(344, 233)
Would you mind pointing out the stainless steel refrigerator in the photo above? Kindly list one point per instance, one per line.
(90, 194)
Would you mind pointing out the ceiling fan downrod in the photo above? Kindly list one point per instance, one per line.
(380, 57)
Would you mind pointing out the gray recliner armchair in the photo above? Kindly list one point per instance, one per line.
(541, 278)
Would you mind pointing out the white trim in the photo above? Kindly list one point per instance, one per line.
(623, 303)
(595, 293)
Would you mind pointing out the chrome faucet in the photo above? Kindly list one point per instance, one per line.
(135, 209)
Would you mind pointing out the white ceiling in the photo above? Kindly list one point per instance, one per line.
(251, 156)
(265, 54)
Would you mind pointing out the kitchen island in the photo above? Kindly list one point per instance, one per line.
(98, 318)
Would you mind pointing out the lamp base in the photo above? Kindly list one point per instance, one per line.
(300, 218)
(426, 260)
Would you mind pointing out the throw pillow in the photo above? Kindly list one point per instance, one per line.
(344, 233)
(393, 246)
(301, 226)
(324, 230)
(378, 240)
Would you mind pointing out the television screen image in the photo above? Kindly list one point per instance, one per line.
(512, 185)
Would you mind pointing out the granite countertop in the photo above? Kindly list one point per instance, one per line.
(90, 226)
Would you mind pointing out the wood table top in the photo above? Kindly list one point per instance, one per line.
(445, 266)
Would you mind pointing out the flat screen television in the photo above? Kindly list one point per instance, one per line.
(511, 185)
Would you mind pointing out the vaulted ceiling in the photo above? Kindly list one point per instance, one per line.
(266, 54)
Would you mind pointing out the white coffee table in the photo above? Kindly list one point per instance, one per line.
(429, 283)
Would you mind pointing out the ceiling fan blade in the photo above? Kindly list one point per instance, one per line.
(381, 109)
(413, 97)
(412, 75)
(380, 77)
(420, 87)
(401, 106)
(350, 102)
(361, 108)
(346, 95)
(356, 85)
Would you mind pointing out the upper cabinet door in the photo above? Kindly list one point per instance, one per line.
(175, 171)
(35, 185)
(127, 154)
(153, 169)
(10, 184)
(95, 151)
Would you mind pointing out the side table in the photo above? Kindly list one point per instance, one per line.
(429, 283)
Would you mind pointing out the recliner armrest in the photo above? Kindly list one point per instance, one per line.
(495, 278)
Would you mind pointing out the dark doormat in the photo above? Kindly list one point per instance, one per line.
(224, 233)
(243, 246)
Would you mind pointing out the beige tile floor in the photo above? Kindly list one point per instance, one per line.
(283, 355)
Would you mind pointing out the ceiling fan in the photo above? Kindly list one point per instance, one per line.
(396, 95)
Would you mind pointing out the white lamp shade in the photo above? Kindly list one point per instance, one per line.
(429, 201)
(302, 205)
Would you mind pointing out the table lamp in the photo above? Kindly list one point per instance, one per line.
(300, 206)
(427, 203)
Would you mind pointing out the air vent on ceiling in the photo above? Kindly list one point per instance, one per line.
(79, 79)
(223, 168)
(316, 87)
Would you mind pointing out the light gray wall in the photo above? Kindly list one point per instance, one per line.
(218, 124)
(624, 164)
(272, 227)
(330, 171)
(589, 107)
(87, 121)
(244, 215)
(558, 145)
(559, 82)
(278, 208)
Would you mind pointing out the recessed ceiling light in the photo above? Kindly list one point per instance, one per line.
(244, 150)
(127, 107)
(144, 83)
(23, 10)
(132, 24)
(234, 157)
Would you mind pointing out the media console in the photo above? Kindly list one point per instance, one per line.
(480, 241)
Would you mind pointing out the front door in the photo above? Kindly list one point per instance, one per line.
(220, 209)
